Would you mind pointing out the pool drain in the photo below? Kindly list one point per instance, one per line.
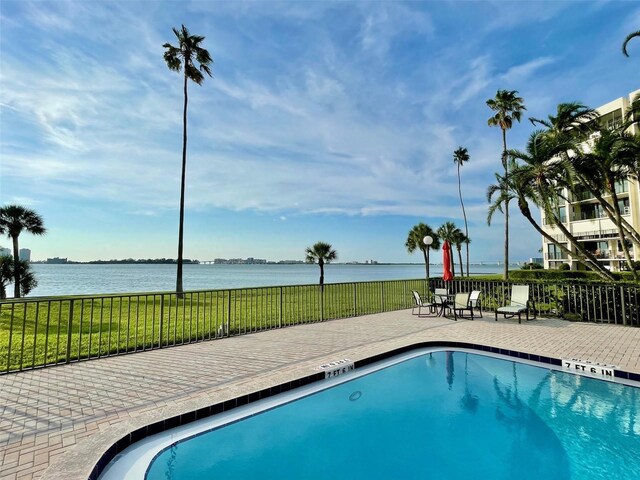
(355, 395)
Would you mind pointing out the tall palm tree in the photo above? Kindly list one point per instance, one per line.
(508, 107)
(626, 41)
(460, 157)
(322, 253)
(184, 58)
(415, 242)
(15, 219)
(448, 232)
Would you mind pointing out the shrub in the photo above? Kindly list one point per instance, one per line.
(563, 267)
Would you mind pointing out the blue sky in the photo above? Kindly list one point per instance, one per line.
(331, 121)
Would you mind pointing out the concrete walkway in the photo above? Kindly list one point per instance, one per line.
(57, 422)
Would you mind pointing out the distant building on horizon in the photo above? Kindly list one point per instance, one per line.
(24, 254)
(5, 251)
(56, 260)
(584, 217)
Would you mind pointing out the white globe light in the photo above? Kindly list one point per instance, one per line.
(427, 240)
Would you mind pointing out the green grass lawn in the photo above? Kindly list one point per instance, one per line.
(61, 329)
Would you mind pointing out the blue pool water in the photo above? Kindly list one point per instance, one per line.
(444, 415)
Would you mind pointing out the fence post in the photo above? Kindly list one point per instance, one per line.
(228, 332)
(381, 297)
(280, 319)
(355, 299)
(161, 320)
(69, 326)
(624, 309)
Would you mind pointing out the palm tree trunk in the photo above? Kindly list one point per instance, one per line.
(460, 259)
(179, 288)
(321, 263)
(452, 264)
(506, 205)
(464, 215)
(16, 267)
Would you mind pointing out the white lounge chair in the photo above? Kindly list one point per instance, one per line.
(475, 302)
(421, 303)
(519, 303)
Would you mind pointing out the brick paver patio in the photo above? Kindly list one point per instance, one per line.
(57, 422)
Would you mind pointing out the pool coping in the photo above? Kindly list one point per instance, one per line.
(159, 426)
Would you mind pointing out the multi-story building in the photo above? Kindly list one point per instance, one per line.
(24, 254)
(5, 251)
(585, 219)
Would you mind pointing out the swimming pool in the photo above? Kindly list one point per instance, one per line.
(425, 415)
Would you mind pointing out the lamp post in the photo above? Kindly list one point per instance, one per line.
(428, 240)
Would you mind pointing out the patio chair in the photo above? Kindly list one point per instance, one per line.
(475, 302)
(421, 303)
(519, 303)
(461, 302)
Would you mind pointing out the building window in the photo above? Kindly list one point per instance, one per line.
(611, 120)
(623, 204)
(554, 252)
(622, 186)
(562, 214)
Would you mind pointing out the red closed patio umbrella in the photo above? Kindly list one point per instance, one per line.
(447, 276)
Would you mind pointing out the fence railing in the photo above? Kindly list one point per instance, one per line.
(587, 302)
(50, 331)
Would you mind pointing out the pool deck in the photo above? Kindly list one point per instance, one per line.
(57, 422)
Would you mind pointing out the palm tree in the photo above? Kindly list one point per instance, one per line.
(508, 107)
(27, 279)
(183, 58)
(626, 40)
(571, 124)
(460, 157)
(415, 242)
(459, 239)
(611, 158)
(448, 232)
(322, 253)
(542, 176)
(15, 219)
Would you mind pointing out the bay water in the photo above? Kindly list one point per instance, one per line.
(88, 279)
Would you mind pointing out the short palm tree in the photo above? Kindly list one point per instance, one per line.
(459, 239)
(508, 107)
(626, 41)
(460, 157)
(448, 232)
(415, 241)
(14, 219)
(7, 268)
(321, 252)
(184, 58)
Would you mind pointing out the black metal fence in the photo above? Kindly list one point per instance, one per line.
(48, 331)
(586, 302)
